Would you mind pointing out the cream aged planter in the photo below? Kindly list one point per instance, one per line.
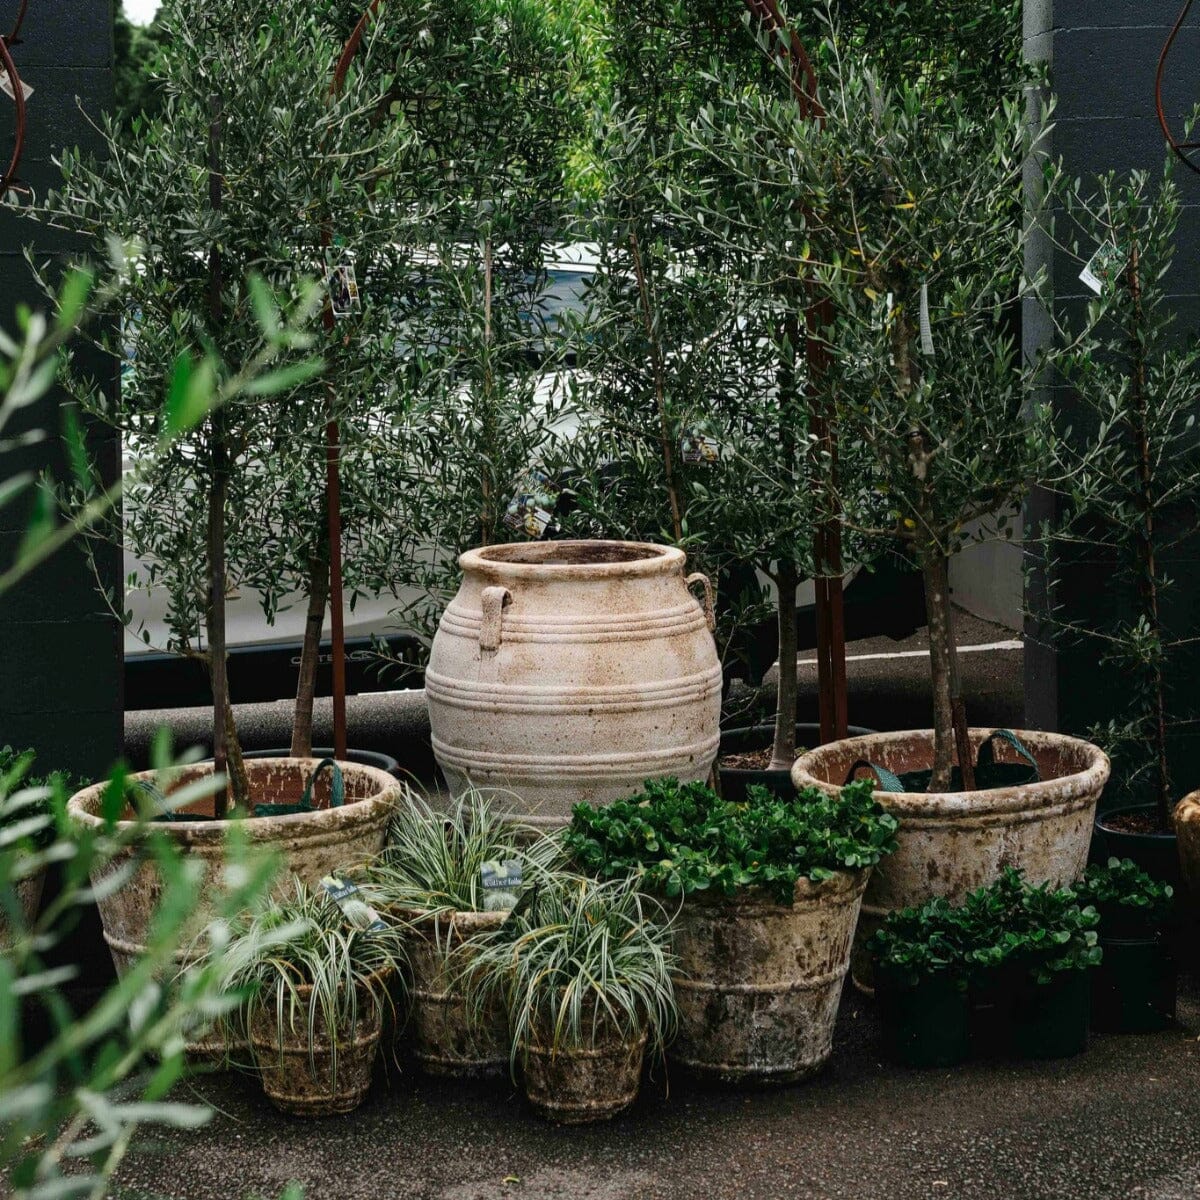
(572, 671)
(1187, 833)
(311, 844)
(299, 1076)
(575, 1085)
(29, 897)
(759, 982)
(952, 843)
(445, 1042)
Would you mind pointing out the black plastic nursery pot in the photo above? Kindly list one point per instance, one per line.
(745, 739)
(1134, 987)
(928, 1025)
(363, 758)
(1155, 853)
(1050, 1020)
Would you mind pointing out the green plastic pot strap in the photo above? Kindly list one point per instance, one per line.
(337, 793)
(988, 772)
(888, 781)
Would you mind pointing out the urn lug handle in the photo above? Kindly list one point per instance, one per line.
(710, 616)
(494, 601)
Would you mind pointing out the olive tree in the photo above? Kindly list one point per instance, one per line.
(901, 209)
(253, 165)
(1128, 467)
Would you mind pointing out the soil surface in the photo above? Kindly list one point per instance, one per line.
(1116, 1123)
(748, 760)
(1135, 822)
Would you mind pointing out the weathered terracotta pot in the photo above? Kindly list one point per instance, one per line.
(1187, 833)
(29, 897)
(759, 982)
(951, 843)
(571, 671)
(577, 1085)
(301, 1077)
(445, 1042)
(311, 844)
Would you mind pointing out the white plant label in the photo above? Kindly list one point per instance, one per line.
(7, 88)
(531, 510)
(358, 912)
(1104, 267)
(699, 448)
(343, 291)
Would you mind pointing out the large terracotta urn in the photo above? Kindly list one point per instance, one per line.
(570, 671)
(951, 843)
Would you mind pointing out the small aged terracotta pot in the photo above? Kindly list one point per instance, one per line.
(1187, 833)
(310, 844)
(29, 896)
(759, 982)
(954, 842)
(445, 1042)
(308, 1083)
(578, 1085)
(573, 671)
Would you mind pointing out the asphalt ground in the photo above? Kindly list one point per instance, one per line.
(1121, 1121)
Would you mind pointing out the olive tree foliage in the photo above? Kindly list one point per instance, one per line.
(1128, 464)
(901, 208)
(256, 165)
(679, 398)
(76, 1088)
(481, 339)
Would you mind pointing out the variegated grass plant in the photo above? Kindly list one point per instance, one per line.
(434, 862)
(308, 962)
(578, 963)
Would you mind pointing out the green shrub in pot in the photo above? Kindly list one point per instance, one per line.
(1134, 990)
(771, 890)
(317, 978)
(681, 838)
(435, 878)
(921, 978)
(582, 969)
(1030, 949)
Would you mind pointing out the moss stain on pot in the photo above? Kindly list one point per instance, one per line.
(759, 982)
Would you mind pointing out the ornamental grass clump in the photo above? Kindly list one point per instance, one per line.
(445, 878)
(680, 838)
(311, 971)
(581, 962)
(436, 862)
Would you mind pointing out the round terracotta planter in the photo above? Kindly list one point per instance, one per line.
(1187, 833)
(759, 982)
(573, 671)
(310, 844)
(578, 1085)
(445, 1041)
(302, 1077)
(29, 897)
(951, 843)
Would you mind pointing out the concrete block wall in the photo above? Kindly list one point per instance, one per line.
(60, 657)
(1102, 56)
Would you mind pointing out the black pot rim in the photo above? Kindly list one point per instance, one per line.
(1162, 835)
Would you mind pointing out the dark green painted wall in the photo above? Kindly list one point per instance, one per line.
(1103, 55)
(60, 658)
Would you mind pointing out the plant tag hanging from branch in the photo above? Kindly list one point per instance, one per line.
(699, 448)
(7, 88)
(925, 326)
(344, 299)
(531, 510)
(1104, 267)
